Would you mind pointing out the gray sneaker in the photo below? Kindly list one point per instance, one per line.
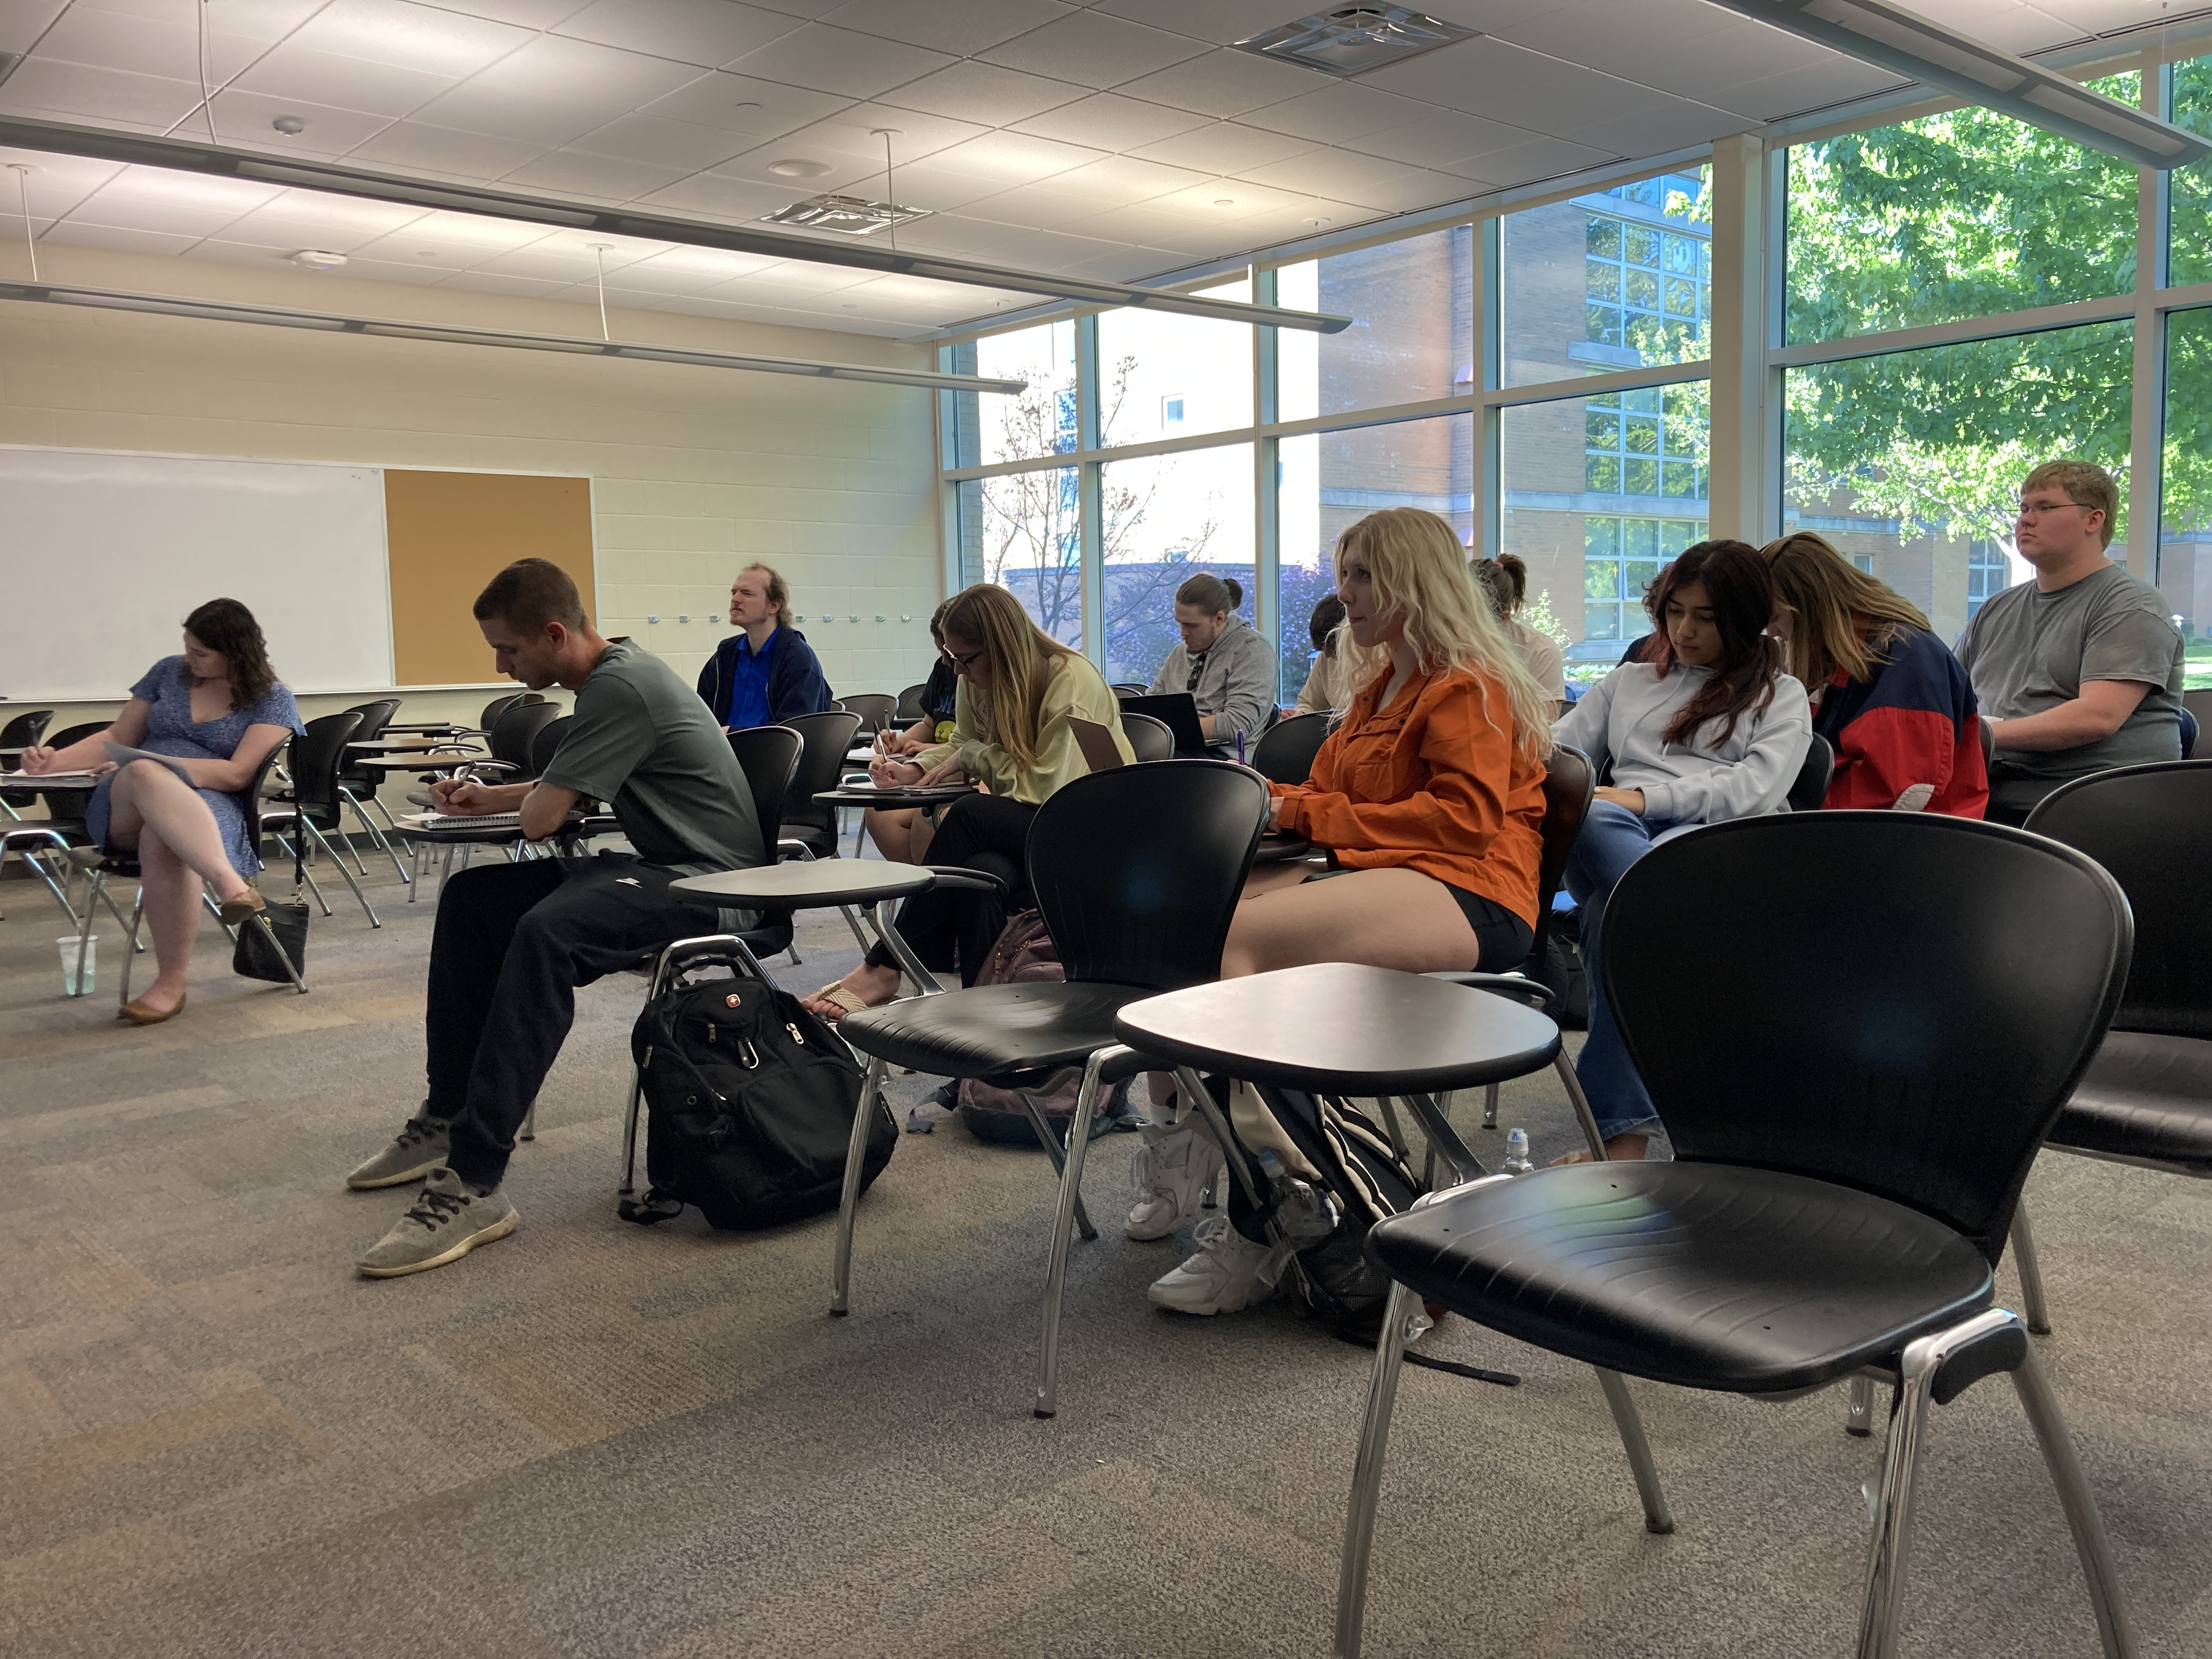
(421, 1147)
(447, 1222)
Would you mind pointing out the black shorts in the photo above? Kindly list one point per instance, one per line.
(1502, 937)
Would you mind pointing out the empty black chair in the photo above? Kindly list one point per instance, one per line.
(1285, 751)
(1846, 1163)
(316, 804)
(1151, 739)
(875, 708)
(825, 738)
(2189, 730)
(2147, 1097)
(1127, 688)
(21, 732)
(358, 786)
(62, 831)
(2198, 703)
(1811, 786)
(1138, 872)
(909, 705)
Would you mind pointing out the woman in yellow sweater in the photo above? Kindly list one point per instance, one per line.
(1019, 687)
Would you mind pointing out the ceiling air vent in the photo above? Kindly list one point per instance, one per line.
(1352, 39)
(852, 216)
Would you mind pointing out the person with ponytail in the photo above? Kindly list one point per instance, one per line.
(1888, 695)
(1505, 581)
(1707, 728)
(1227, 667)
(1018, 688)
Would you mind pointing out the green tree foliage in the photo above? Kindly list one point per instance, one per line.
(2191, 217)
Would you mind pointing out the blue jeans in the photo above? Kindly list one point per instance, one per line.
(1613, 838)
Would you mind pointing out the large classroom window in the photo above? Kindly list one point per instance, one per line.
(1536, 372)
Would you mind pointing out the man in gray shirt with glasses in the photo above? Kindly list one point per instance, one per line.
(2080, 670)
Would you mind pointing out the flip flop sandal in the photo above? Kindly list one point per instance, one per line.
(840, 999)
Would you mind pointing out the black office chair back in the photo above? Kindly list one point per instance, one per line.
(1150, 738)
(824, 740)
(317, 755)
(25, 728)
(514, 733)
(375, 717)
(909, 704)
(1569, 785)
(2146, 825)
(497, 706)
(769, 756)
(546, 743)
(1124, 689)
(1895, 1001)
(2189, 730)
(1811, 788)
(1138, 870)
(1285, 751)
(2199, 705)
(875, 709)
(258, 788)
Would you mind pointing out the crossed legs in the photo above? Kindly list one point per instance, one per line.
(157, 814)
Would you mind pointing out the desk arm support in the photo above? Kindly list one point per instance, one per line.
(1529, 992)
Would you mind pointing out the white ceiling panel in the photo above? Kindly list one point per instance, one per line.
(1219, 20)
(957, 233)
(742, 104)
(602, 177)
(521, 287)
(1441, 135)
(49, 85)
(526, 13)
(1340, 173)
(706, 33)
(553, 89)
(291, 70)
(1222, 83)
(344, 296)
(1225, 147)
(1107, 120)
(244, 117)
(1525, 162)
(22, 21)
(1336, 112)
(717, 195)
(419, 146)
(1819, 86)
(1015, 157)
(83, 234)
(1673, 125)
(146, 45)
(1150, 227)
(757, 166)
(984, 92)
(916, 135)
(839, 60)
(222, 250)
(1095, 49)
(962, 27)
(1504, 82)
(426, 39)
(284, 225)
(679, 145)
(1124, 179)
(1040, 207)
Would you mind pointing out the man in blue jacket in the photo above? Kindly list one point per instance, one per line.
(768, 672)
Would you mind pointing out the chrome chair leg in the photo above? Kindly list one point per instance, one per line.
(375, 835)
(315, 830)
(1065, 1215)
(848, 1202)
(2082, 1519)
(1858, 1417)
(1490, 1106)
(529, 1129)
(1580, 1101)
(1195, 1091)
(314, 887)
(1050, 1142)
(2031, 1272)
(1656, 1518)
(137, 915)
(1367, 1472)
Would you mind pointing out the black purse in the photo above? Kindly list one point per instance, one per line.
(254, 956)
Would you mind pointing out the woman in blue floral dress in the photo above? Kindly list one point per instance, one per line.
(219, 710)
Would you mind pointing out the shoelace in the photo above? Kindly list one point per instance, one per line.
(434, 1209)
(418, 1130)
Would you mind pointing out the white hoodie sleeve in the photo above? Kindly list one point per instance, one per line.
(1780, 734)
(1584, 725)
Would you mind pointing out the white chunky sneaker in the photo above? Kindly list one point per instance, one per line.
(1172, 1170)
(1230, 1272)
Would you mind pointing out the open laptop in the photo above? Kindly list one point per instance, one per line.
(1180, 710)
(1096, 744)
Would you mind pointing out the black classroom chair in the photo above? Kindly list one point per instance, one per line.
(1813, 775)
(909, 705)
(1138, 871)
(60, 838)
(315, 804)
(1847, 1165)
(1285, 751)
(1151, 739)
(875, 708)
(21, 733)
(359, 787)
(2147, 1097)
(825, 740)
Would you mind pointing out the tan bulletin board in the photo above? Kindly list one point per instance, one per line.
(449, 533)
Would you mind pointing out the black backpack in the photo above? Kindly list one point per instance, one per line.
(750, 1101)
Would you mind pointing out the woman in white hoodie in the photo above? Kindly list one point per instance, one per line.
(1707, 728)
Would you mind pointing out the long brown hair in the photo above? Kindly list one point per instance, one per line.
(1830, 600)
(1024, 658)
(227, 626)
(1741, 594)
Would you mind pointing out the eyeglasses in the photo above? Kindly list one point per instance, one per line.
(2037, 509)
(960, 664)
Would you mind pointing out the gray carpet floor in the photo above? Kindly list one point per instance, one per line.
(591, 1439)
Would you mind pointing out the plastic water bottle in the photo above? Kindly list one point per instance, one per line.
(1516, 1153)
(1302, 1214)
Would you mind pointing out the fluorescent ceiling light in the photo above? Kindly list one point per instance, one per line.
(227, 311)
(1877, 32)
(142, 149)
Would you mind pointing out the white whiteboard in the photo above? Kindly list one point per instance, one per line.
(101, 555)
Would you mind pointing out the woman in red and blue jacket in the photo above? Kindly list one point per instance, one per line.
(1888, 696)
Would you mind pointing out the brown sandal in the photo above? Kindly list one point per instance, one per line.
(839, 998)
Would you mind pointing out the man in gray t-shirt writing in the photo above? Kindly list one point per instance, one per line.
(513, 941)
(2079, 670)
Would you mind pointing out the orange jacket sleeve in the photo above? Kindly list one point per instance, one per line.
(1459, 805)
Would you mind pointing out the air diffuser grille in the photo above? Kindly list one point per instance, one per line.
(1352, 39)
(852, 215)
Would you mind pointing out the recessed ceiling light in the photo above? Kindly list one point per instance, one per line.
(315, 258)
(795, 168)
(852, 216)
(290, 125)
(744, 103)
(1225, 201)
(1351, 39)
(1315, 224)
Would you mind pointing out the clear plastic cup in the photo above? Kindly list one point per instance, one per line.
(70, 985)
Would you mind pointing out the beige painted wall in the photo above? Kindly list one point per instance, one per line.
(694, 472)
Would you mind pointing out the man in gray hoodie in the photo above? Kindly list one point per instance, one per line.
(1227, 667)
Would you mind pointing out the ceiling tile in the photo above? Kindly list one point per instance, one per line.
(1487, 16)
(146, 45)
(1131, 265)
(1819, 87)
(1533, 158)
(718, 196)
(444, 150)
(1244, 198)
(1094, 49)
(419, 273)
(1224, 147)
(607, 177)
(300, 219)
(757, 166)
(678, 144)
(1043, 206)
(56, 183)
(951, 233)
(1106, 120)
(425, 39)
(962, 27)
(80, 92)
(553, 89)
(1502, 82)
(244, 117)
(1336, 113)
(839, 60)
(524, 14)
(1337, 173)
(1124, 181)
(130, 242)
(1441, 135)
(1044, 250)
(707, 32)
(292, 70)
(1013, 156)
(204, 192)
(221, 251)
(1649, 132)
(1173, 233)
(1219, 20)
(1223, 83)
(25, 20)
(984, 92)
(853, 133)
(740, 103)
(521, 287)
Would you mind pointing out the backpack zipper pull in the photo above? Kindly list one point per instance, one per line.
(795, 1037)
